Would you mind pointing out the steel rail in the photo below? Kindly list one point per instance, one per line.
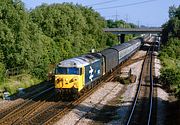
(32, 111)
(138, 89)
(19, 108)
(65, 109)
(4, 112)
(58, 113)
(69, 106)
(151, 89)
(83, 97)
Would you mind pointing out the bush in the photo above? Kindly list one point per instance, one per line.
(21, 81)
(170, 76)
(170, 55)
(170, 73)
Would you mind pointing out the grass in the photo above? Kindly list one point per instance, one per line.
(20, 81)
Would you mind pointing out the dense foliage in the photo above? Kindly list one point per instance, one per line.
(22, 42)
(170, 55)
(74, 29)
(47, 34)
(172, 27)
(119, 24)
(35, 40)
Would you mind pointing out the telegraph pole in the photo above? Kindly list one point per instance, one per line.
(116, 15)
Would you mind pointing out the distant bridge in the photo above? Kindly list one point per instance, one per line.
(133, 31)
(122, 31)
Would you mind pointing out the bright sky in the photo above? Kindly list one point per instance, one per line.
(142, 12)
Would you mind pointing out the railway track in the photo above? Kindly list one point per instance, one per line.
(142, 107)
(38, 111)
(15, 113)
(55, 111)
(42, 112)
(27, 98)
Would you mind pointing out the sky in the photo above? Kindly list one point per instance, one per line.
(139, 12)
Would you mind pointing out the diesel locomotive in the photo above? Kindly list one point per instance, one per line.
(75, 74)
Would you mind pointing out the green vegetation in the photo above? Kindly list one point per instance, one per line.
(121, 24)
(170, 54)
(19, 81)
(35, 40)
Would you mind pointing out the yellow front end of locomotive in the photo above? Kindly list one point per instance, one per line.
(69, 81)
(65, 81)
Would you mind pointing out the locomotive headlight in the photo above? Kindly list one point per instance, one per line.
(66, 79)
(74, 79)
(59, 79)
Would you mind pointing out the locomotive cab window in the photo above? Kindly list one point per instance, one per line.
(69, 70)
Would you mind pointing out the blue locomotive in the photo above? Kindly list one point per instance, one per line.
(75, 74)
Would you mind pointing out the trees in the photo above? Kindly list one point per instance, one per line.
(74, 29)
(22, 43)
(172, 27)
(170, 54)
(34, 39)
(121, 24)
(47, 34)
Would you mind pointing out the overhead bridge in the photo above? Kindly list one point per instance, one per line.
(122, 31)
(133, 31)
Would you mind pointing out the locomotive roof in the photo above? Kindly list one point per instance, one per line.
(80, 61)
(73, 62)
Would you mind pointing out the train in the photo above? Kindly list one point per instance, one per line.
(75, 74)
